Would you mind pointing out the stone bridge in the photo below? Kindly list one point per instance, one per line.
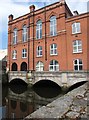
(63, 79)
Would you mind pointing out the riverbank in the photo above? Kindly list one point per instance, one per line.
(71, 106)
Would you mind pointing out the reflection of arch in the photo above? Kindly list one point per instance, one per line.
(14, 67)
(24, 66)
(13, 104)
(23, 106)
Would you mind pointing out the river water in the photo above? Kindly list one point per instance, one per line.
(19, 100)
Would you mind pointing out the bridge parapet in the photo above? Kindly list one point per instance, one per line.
(63, 79)
(17, 75)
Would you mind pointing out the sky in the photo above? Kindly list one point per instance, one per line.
(21, 7)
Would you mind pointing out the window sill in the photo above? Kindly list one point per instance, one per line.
(53, 54)
(76, 33)
(14, 58)
(77, 52)
(38, 56)
(24, 57)
(24, 41)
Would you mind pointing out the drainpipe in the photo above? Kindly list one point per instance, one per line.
(45, 32)
(28, 38)
(33, 42)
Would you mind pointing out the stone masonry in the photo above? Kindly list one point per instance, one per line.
(72, 106)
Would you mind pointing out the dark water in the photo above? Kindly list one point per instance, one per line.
(19, 100)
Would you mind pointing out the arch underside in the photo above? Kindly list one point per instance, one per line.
(17, 81)
(47, 81)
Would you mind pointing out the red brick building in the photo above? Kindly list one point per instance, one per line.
(49, 39)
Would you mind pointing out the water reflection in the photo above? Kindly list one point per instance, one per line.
(18, 89)
(20, 101)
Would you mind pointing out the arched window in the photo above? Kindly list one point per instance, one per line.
(23, 66)
(14, 54)
(77, 46)
(54, 66)
(76, 28)
(39, 51)
(39, 29)
(24, 53)
(53, 49)
(53, 26)
(24, 33)
(14, 67)
(15, 36)
(78, 65)
(39, 66)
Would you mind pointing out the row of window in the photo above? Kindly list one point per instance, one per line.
(54, 66)
(77, 48)
(53, 30)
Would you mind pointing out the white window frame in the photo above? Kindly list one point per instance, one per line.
(54, 66)
(14, 54)
(39, 51)
(24, 33)
(77, 46)
(76, 28)
(24, 53)
(15, 36)
(53, 26)
(78, 65)
(39, 66)
(53, 49)
(39, 29)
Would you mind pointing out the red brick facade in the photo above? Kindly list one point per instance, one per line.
(70, 53)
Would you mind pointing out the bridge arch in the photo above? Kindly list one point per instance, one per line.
(14, 67)
(76, 85)
(17, 81)
(23, 66)
(46, 82)
(47, 88)
(18, 86)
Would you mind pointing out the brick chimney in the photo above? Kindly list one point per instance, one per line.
(75, 12)
(32, 8)
(10, 17)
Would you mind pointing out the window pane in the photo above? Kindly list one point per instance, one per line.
(39, 29)
(80, 67)
(76, 67)
(80, 61)
(75, 61)
(77, 27)
(53, 25)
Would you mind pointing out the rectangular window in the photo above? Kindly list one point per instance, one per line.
(14, 54)
(77, 46)
(53, 49)
(24, 53)
(39, 51)
(76, 28)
